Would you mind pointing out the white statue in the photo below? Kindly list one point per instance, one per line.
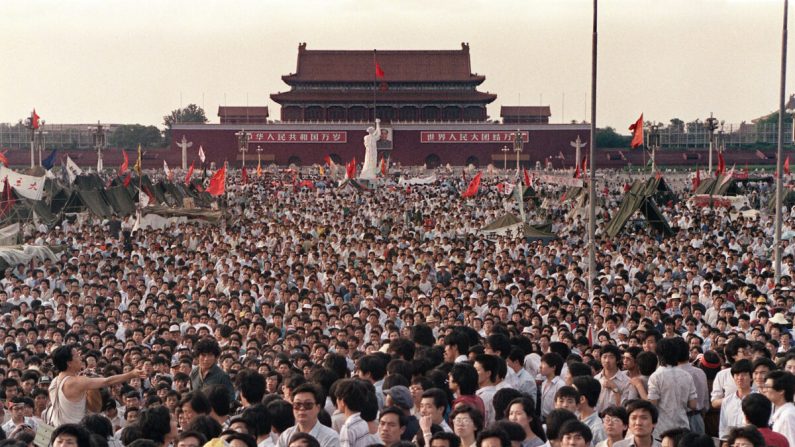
(370, 166)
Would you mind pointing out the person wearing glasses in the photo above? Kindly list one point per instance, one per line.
(615, 421)
(306, 407)
(757, 409)
(779, 388)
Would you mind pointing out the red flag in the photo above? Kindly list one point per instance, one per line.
(577, 171)
(3, 158)
(6, 199)
(34, 120)
(584, 167)
(721, 165)
(127, 180)
(473, 187)
(384, 169)
(259, 170)
(190, 174)
(697, 179)
(328, 161)
(125, 164)
(526, 178)
(637, 133)
(350, 169)
(379, 73)
(245, 176)
(786, 165)
(217, 182)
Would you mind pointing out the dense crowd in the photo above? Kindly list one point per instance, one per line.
(314, 315)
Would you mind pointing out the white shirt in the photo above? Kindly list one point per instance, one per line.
(783, 420)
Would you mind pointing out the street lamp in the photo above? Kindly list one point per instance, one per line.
(99, 143)
(654, 143)
(505, 150)
(779, 151)
(42, 136)
(242, 141)
(518, 142)
(711, 124)
(259, 156)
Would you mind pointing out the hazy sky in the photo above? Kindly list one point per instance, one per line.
(80, 61)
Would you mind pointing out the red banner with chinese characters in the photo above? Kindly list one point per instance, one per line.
(471, 137)
(296, 136)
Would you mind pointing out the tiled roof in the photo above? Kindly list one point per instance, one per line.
(261, 111)
(398, 66)
(525, 111)
(366, 96)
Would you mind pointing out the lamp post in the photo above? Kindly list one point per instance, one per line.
(99, 143)
(780, 150)
(711, 124)
(242, 140)
(505, 150)
(259, 155)
(33, 140)
(518, 142)
(654, 143)
(42, 136)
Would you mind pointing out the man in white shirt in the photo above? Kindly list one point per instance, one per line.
(736, 349)
(306, 407)
(779, 388)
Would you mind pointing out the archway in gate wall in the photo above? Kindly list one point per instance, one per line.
(432, 161)
(294, 160)
(472, 160)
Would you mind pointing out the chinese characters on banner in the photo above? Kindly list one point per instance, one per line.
(299, 137)
(471, 137)
(26, 186)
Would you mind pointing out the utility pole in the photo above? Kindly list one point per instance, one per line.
(780, 149)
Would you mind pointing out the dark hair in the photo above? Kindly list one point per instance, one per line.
(499, 342)
(61, 357)
(474, 414)
(219, 398)
(505, 441)
(647, 363)
(554, 360)
(668, 352)
(244, 437)
(130, 433)
(466, 376)
(782, 381)
(757, 409)
(459, 340)
(438, 395)
(353, 392)
(452, 439)
(206, 425)
(555, 420)
(733, 346)
(373, 365)
(97, 423)
(742, 366)
(502, 398)
(617, 412)
(640, 404)
(207, 345)
(198, 401)
(281, 415)
(612, 350)
(155, 423)
(588, 387)
(529, 407)
(566, 391)
(514, 431)
(143, 442)
(675, 434)
(258, 419)
(402, 348)
(577, 369)
(251, 385)
(81, 434)
(490, 363)
(422, 334)
(312, 389)
(306, 437)
(192, 434)
(402, 419)
(575, 426)
(696, 440)
(748, 432)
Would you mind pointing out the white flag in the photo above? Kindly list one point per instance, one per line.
(201, 154)
(143, 198)
(26, 186)
(167, 171)
(137, 224)
(72, 169)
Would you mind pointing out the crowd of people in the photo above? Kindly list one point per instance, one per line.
(315, 315)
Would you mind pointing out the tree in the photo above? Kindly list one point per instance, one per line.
(190, 114)
(677, 125)
(609, 138)
(129, 136)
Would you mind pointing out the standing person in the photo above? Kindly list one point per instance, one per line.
(615, 383)
(671, 389)
(208, 372)
(695, 417)
(779, 388)
(757, 409)
(467, 422)
(391, 426)
(68, 390)
(487, 367)
(731, 414)
(642, 419)
(615, 420)
(351, 398)
(551, 367)
(723, 385)
(306, 407)
(589, 389)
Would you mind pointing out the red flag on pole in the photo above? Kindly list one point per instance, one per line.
(577, 172)
(217, 182)
(190, 174)
(245, 176)
(3, 158)
(786, 165)
(721, 165)
(127, 180)
(697, 179)
(350, 169)
(125, 164)
(473, 187)
(34, 120)
(637, 133)
(526, 178)
(379, 73)
(384, 169)
(584, 168)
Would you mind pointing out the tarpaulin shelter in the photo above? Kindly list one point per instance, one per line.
(509, 224)
(639, 198)
(719, 186)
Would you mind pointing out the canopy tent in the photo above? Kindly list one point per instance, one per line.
(639, 198)
(659, 189)
(719, 186)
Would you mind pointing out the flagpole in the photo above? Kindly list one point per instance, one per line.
(591, 183)
(375, 75)
(779, 150)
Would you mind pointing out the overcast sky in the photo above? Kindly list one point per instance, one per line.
(80, 61)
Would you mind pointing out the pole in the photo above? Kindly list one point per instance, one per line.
(591, 183)
(375, 62)
(32, 143)
(780, 150)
